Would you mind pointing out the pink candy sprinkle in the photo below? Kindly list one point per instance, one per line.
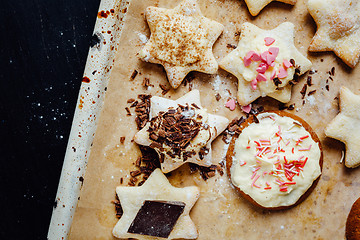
(264, 56)
(253, 84)
(274, 51)
(231, 104)
(261, 77)
(246, 108)
(270, 59)
(256, 57)
(269, 41)
(262, 68)
(287, 64)
(282, 73)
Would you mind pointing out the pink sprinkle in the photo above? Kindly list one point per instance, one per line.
(269, 41)
(270, 59)
(273, 74)
(255, 179)
(262, 68)
(254, 174)
(231, 104)
(253, 84)
(264, 56)
(306, 149)
(274, 51)
(261, 77)
(246, 108)
(287, 64)
(256, 57)
(287, 143)
(282, 73)
(247, 58)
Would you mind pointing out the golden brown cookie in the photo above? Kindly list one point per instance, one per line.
(353, 222)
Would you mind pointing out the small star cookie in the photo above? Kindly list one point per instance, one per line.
(181, 131)
(181, 40)
(255, 6)
(338, 23)
(156, 210)
(345, 126)
(264, 63)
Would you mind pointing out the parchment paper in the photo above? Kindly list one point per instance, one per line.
(220, 213)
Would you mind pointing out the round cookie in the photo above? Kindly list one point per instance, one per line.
(353, 222)
(278, 172)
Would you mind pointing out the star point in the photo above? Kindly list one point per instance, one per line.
(255, 6)
(338, 23)
(181, 40)
(345, 126)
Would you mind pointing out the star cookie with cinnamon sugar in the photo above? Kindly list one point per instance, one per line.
(338, 23)
(181, 40)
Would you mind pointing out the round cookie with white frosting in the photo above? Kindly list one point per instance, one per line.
(275, 160)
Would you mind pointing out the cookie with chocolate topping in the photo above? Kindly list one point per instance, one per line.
(181, 131)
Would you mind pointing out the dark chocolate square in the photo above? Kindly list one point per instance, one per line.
(157, 218)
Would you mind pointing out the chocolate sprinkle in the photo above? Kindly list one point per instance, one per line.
(231, 46)
(303, 91)
(133, 75)
(311, 92)
(217, 97)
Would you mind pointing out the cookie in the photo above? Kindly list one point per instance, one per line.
(264, 63)
(156, 210)
(352, 230)
(345, 126)
(275, 159)
(181, 131)
(338, 23)
(181, 40)
(255, 6)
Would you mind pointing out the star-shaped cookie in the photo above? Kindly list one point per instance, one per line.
(345, 126)
(264, 62)
(156, 189)
(181, 40)
(181, 131)
(255, 6)
(338, 23)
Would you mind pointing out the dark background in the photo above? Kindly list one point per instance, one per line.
(43, 50)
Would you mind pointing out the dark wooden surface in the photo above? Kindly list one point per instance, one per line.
(43, 49)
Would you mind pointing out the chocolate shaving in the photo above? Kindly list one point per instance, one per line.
(146, 83)
(231, 46)
(327, 87)
(303, 91)
(217, 97)
(175, 129)
(277, 81)
(203, 151)
(311, 92)
(142, 110)
(131, 100)
(133, 75)
(164, 89)
(309, 81)
(118, 208)
(122, 140)
(128, 111)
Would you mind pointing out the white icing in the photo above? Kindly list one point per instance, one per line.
(241, 176)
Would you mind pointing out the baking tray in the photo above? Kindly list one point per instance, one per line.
(99, 62)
